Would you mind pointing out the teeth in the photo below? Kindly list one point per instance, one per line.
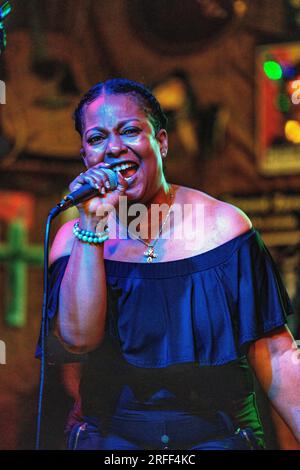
(124, 166)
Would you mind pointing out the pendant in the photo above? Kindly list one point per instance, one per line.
(150, 254)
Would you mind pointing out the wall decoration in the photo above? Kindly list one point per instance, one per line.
(278, 109)
(45, 80)
(16, 210)
(276, 215)
(195, 131)
(176, 97)
(175, 27)
(292, 17)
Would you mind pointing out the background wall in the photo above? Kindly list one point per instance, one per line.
(94, 40)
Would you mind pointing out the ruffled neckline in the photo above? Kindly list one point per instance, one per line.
(202, 261)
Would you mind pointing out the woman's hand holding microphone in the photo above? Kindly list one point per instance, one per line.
(95, 211)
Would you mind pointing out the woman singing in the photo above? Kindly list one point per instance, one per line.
(171, 327)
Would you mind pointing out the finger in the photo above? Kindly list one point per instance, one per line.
(93, 181)
(104, 178)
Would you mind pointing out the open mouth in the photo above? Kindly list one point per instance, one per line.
(126, 169)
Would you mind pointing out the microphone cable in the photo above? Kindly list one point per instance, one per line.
(52, 214)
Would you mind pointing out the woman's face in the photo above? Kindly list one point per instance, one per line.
(116, 130)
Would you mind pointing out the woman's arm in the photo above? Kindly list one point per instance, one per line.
(276, 363)
(82, 300)
(83, 292)
(285, 437)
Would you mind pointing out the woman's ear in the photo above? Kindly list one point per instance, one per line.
(162, 138)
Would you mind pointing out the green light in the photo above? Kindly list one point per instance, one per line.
(273, 70)
(283, 103)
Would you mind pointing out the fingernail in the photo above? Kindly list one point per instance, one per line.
(107, 184)
(96, 185)
(102, 190)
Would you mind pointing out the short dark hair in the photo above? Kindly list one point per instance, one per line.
(123, 86)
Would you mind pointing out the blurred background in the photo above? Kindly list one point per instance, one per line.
(226, 72)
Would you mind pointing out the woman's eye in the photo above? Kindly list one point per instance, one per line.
(131, 130)
(95, 139)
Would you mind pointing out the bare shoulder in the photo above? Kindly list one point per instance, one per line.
(63, 241)
(223, 221)
(231, 220)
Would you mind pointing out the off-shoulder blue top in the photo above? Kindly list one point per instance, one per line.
(203, 310)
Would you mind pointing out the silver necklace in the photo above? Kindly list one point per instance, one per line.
(150, 253)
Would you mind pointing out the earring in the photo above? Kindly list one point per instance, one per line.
(164, 153)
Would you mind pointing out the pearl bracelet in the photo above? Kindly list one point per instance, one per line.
(90, 237)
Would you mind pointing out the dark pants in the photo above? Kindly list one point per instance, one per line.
(158, 433)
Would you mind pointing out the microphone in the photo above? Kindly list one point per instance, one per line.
(85, 192)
